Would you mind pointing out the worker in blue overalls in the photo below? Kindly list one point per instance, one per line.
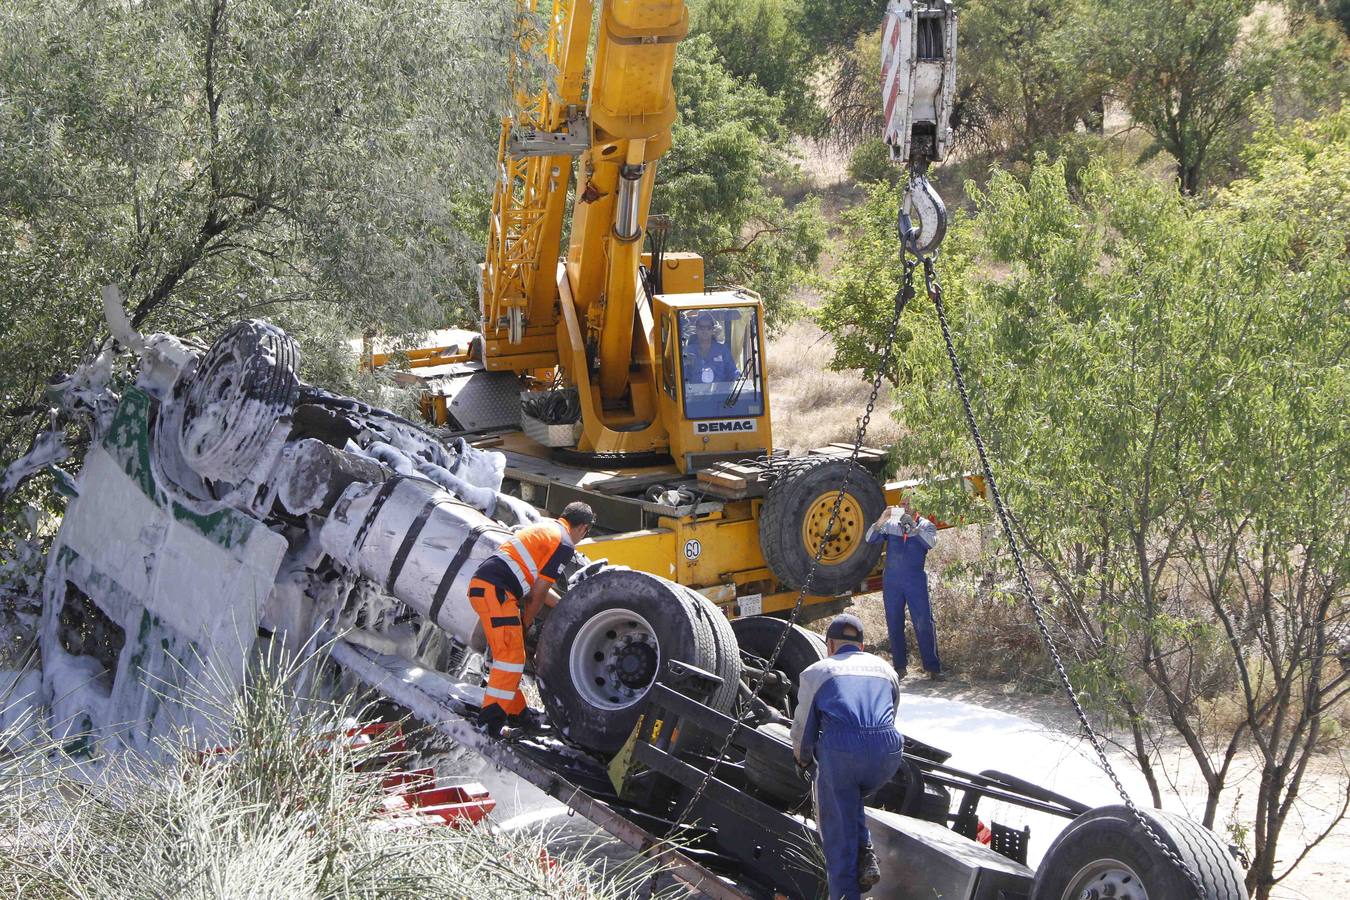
(845, 724)
(904, 583)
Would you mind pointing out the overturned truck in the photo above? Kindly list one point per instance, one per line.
(224, 509)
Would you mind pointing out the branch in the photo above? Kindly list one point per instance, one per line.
(1335, 820)
(1343, 678)
(746, 246)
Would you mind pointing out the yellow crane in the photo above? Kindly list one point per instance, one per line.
(614, 340)
(640, 388)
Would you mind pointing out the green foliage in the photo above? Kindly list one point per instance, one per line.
(853, 80)
(1313, 72)
(871, 161)
(859, 296)
(1334, 11)
(306, 161)
(1161, 385)
(1188, 72)
(727, 144)
(759, 39)
(829, 26)
(1026, 73)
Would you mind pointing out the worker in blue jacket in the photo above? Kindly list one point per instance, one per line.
(904, 583)
(845, 724)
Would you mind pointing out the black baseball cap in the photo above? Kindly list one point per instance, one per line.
(845, 627)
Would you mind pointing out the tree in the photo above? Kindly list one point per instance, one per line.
(726, 146)
(1162, 389)
(830, 26)
(859, 298)
(1337, 11)
(1188, 72)
(759, 39)
(1027, 73)
(307, 161)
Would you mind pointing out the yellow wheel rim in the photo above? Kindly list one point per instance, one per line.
(848, 527)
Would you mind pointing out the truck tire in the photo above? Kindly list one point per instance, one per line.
(601, 650)
(796, 513)
(239, 394)
(775, 774)
(1105, 849)
(758, 635)
(904, 793)
(725, 648)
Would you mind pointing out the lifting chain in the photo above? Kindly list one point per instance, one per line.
(934, 290)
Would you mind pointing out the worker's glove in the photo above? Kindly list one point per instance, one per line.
(491, 720)
(585, 572)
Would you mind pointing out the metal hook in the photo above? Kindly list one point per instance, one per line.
(921, 198)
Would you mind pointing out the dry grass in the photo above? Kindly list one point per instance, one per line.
(984, 632)
(812, 406)
(287, 814)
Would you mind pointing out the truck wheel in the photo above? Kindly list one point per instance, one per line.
(904, 793)
(758, 635)
(601, 650)
(1105, 853)
(796, 513)
(239, 393)
(726, 650)
(775, 774)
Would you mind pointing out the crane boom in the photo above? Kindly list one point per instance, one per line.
(616, 139)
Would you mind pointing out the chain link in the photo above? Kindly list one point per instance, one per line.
(934, 290)
(902, 298)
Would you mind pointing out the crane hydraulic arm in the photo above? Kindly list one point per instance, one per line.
(582, 316)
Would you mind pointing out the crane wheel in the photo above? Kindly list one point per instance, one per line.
(601, 650)
(1104, 852)
(796, 514)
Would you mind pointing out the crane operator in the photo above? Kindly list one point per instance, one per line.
(706, 359)
(526, 566)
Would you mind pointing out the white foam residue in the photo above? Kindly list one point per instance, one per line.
(48, 449)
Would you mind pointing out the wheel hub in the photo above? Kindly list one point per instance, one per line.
(635, 663)
(614, 659)
(1105, 879)
(846, 534)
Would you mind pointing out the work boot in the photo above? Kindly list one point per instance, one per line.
(869, 870)
(492, 719)
(530, 721)
(936, 675)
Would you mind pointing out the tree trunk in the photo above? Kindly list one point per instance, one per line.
(1188, 178)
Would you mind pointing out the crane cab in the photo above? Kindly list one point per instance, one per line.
(710, 376)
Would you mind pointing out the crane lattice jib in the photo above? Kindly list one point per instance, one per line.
(615, 136)
(530, 193)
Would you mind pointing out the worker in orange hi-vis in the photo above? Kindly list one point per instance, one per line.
(526, 566)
